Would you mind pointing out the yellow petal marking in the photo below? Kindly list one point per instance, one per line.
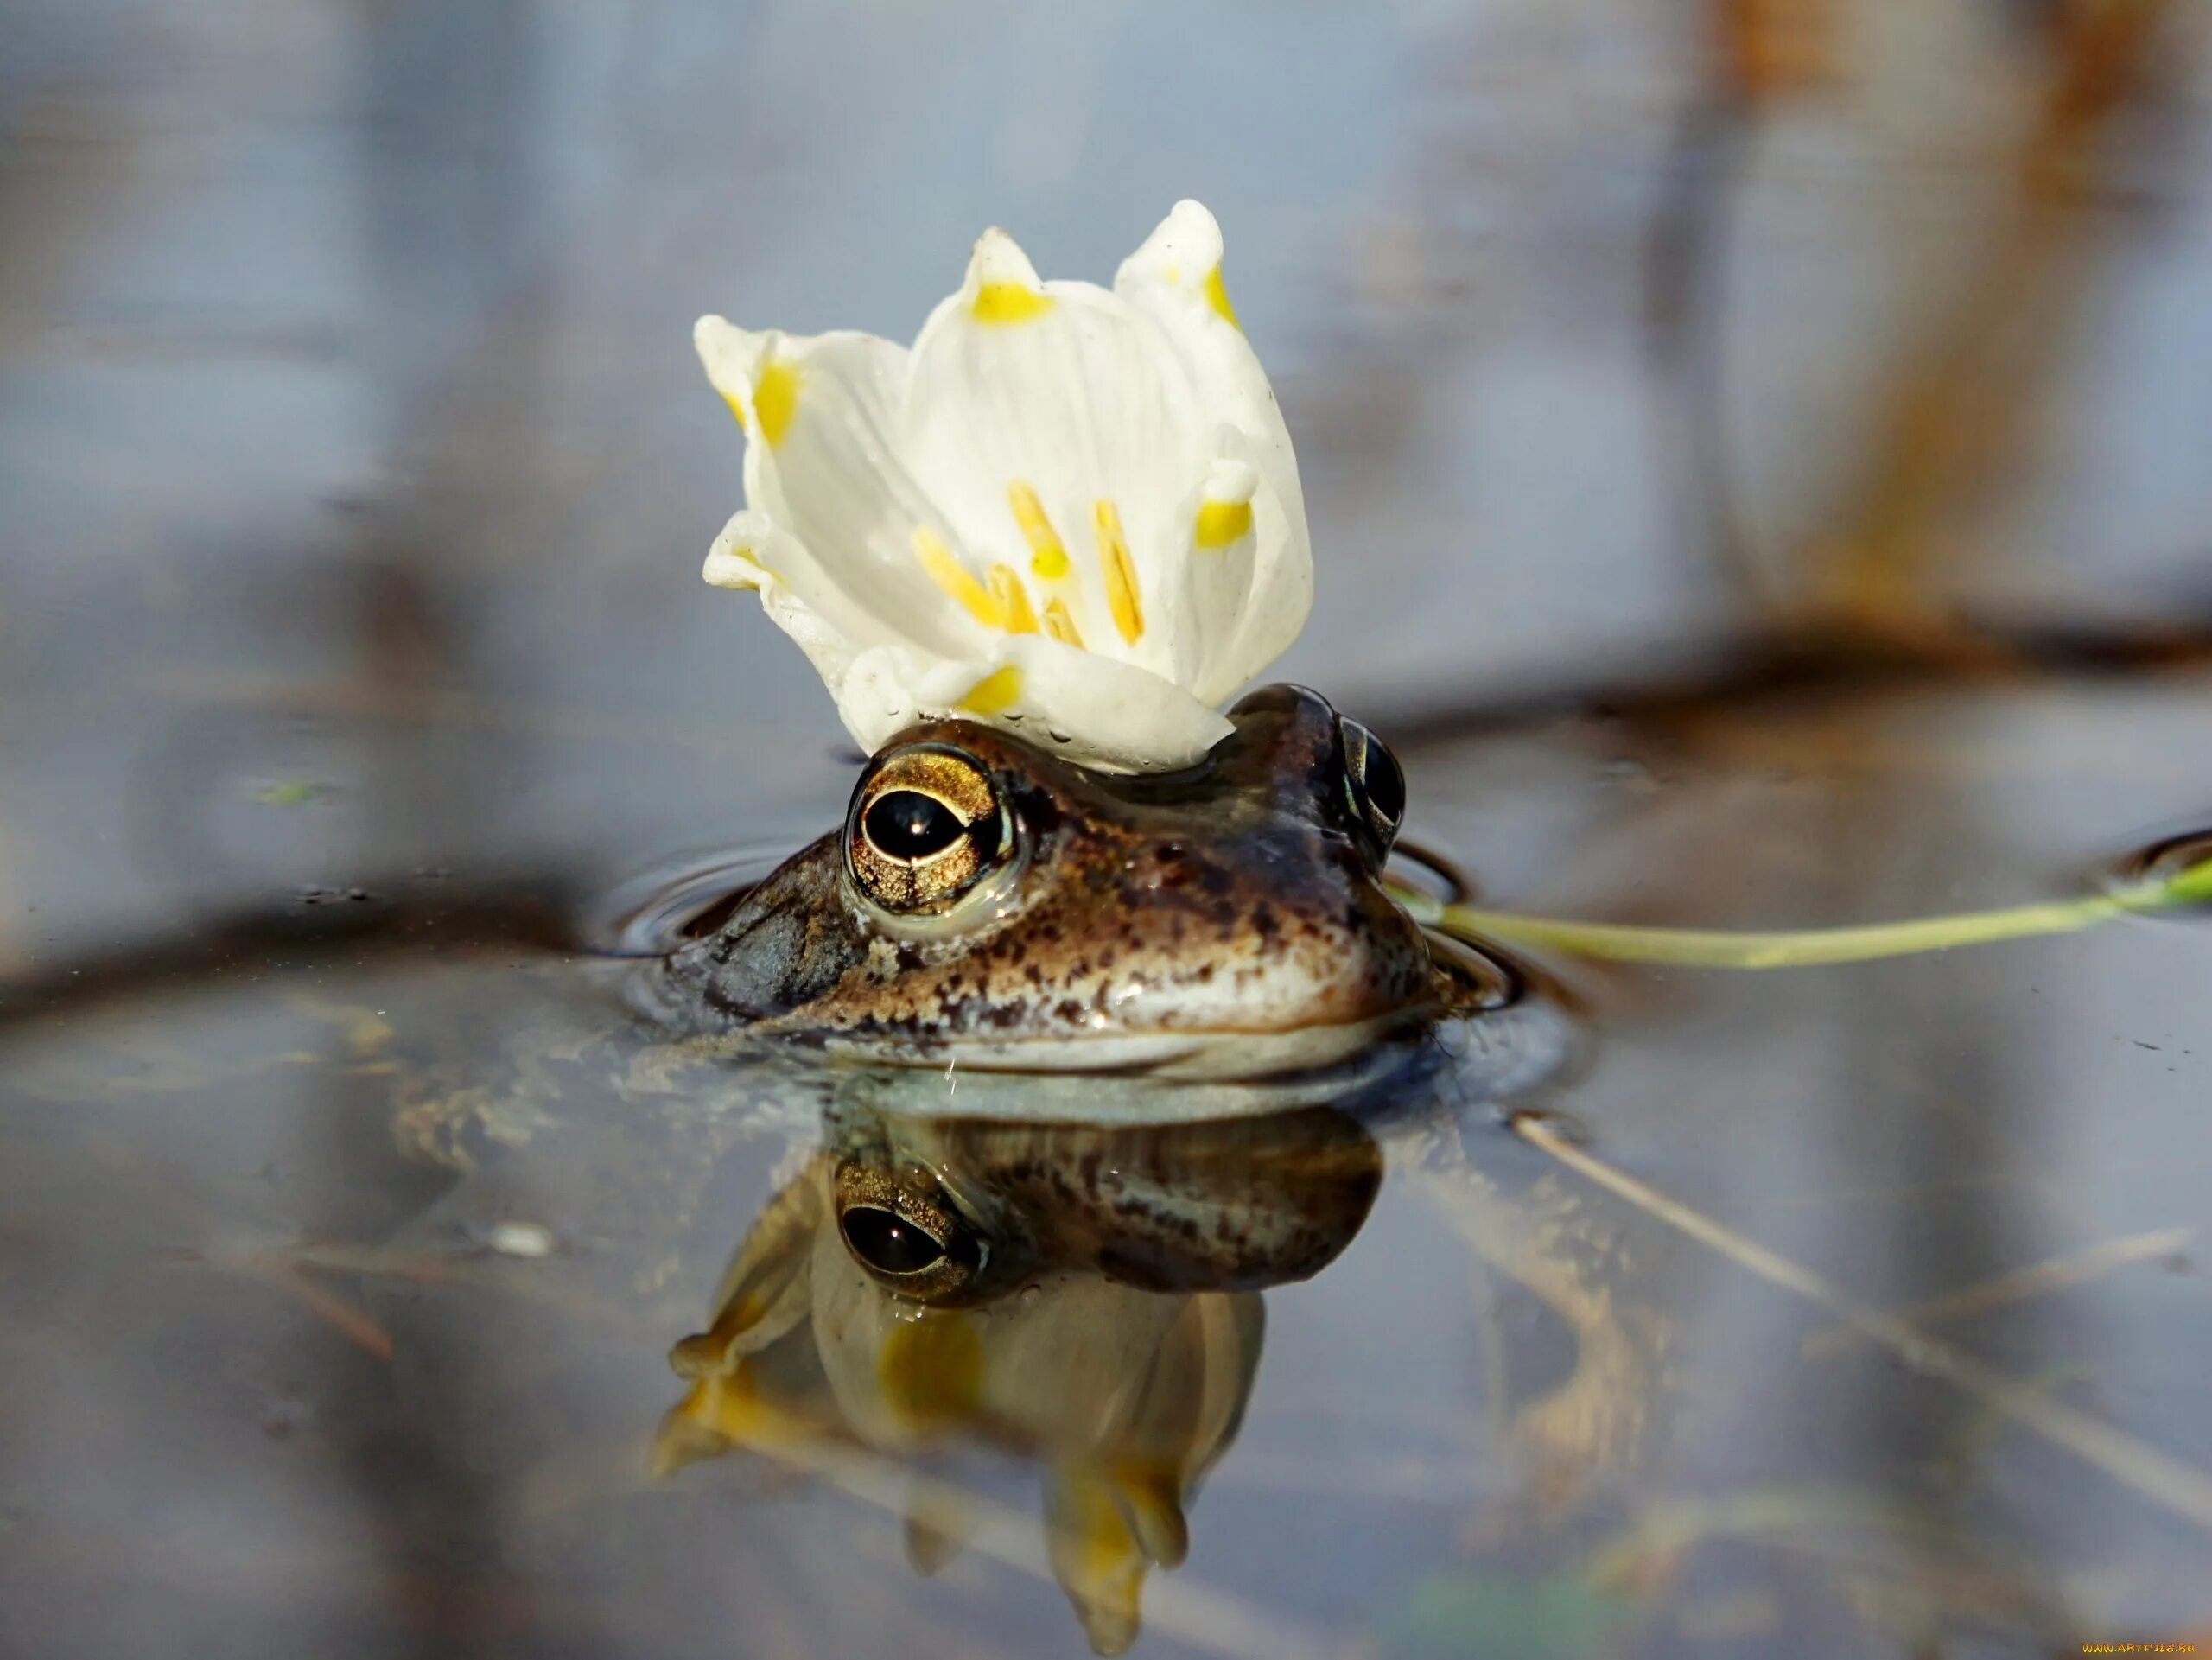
(775, 399)
(1048, 558)
(1060, 625)
(1008, 303)
(1120, 573)
(1218, 297)
(737, 408)
(1221, 523)
(995, 693)
(955, 578)
(1012, 600)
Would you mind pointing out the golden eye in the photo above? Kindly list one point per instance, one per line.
(901, 1227)
(927, 824)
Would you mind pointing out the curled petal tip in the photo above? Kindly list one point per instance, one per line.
(1183, 248)
(1231, 480)
(999, 258)
(738, 558)
(1002, 285)
(730, 354)
(716, 336)
(1193, 219)
(732, 568)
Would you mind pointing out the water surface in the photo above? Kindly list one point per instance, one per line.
(1793, 522)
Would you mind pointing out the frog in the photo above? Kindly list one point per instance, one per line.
(1085, 1300)
(986, 904)
(1092, 1299)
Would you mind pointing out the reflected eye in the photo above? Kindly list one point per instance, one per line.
(887, 1242)
(901, 1226)
(1374, 782)
(927, 824)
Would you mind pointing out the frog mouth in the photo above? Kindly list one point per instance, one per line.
(1249, 1042)
(1196, 1055)
(1496, 1049)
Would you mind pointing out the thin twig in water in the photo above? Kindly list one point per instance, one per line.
(2173, 1485)
(352, 1324)
(2020, 1286)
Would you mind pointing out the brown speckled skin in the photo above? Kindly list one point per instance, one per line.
(1236, 897)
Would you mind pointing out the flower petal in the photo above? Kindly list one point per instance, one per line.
(819, 463)
(1092, 710)
(829, 626)
(1060, 436)
(1174, 279)
(1277, 567)
(1219, 544)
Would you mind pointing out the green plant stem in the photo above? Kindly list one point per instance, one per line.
(1709, 948)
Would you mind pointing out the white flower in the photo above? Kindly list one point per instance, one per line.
(1072, 513)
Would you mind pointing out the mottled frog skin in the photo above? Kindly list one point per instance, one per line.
(987, 905)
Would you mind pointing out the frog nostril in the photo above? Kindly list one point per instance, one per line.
(1172, 863)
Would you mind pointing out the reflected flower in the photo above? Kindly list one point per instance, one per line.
(1072, 512)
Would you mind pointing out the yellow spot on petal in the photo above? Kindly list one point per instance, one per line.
(1221, 523)
(1048, 558)
(1060, 625)
(1120, 573)
(930, 1371)
(1218, 297)
(775, 398)
(737, 408)
(995, 693)
(1012, 600)
(1009, 303)
(955, 578)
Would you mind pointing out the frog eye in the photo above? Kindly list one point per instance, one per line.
(927, 824)
(906, 1234)
(888, 1242)
(1375, 783)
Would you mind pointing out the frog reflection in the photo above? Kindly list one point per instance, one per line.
(989, 903)
(1086, 1298)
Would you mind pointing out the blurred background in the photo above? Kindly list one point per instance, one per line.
(1759, 454)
